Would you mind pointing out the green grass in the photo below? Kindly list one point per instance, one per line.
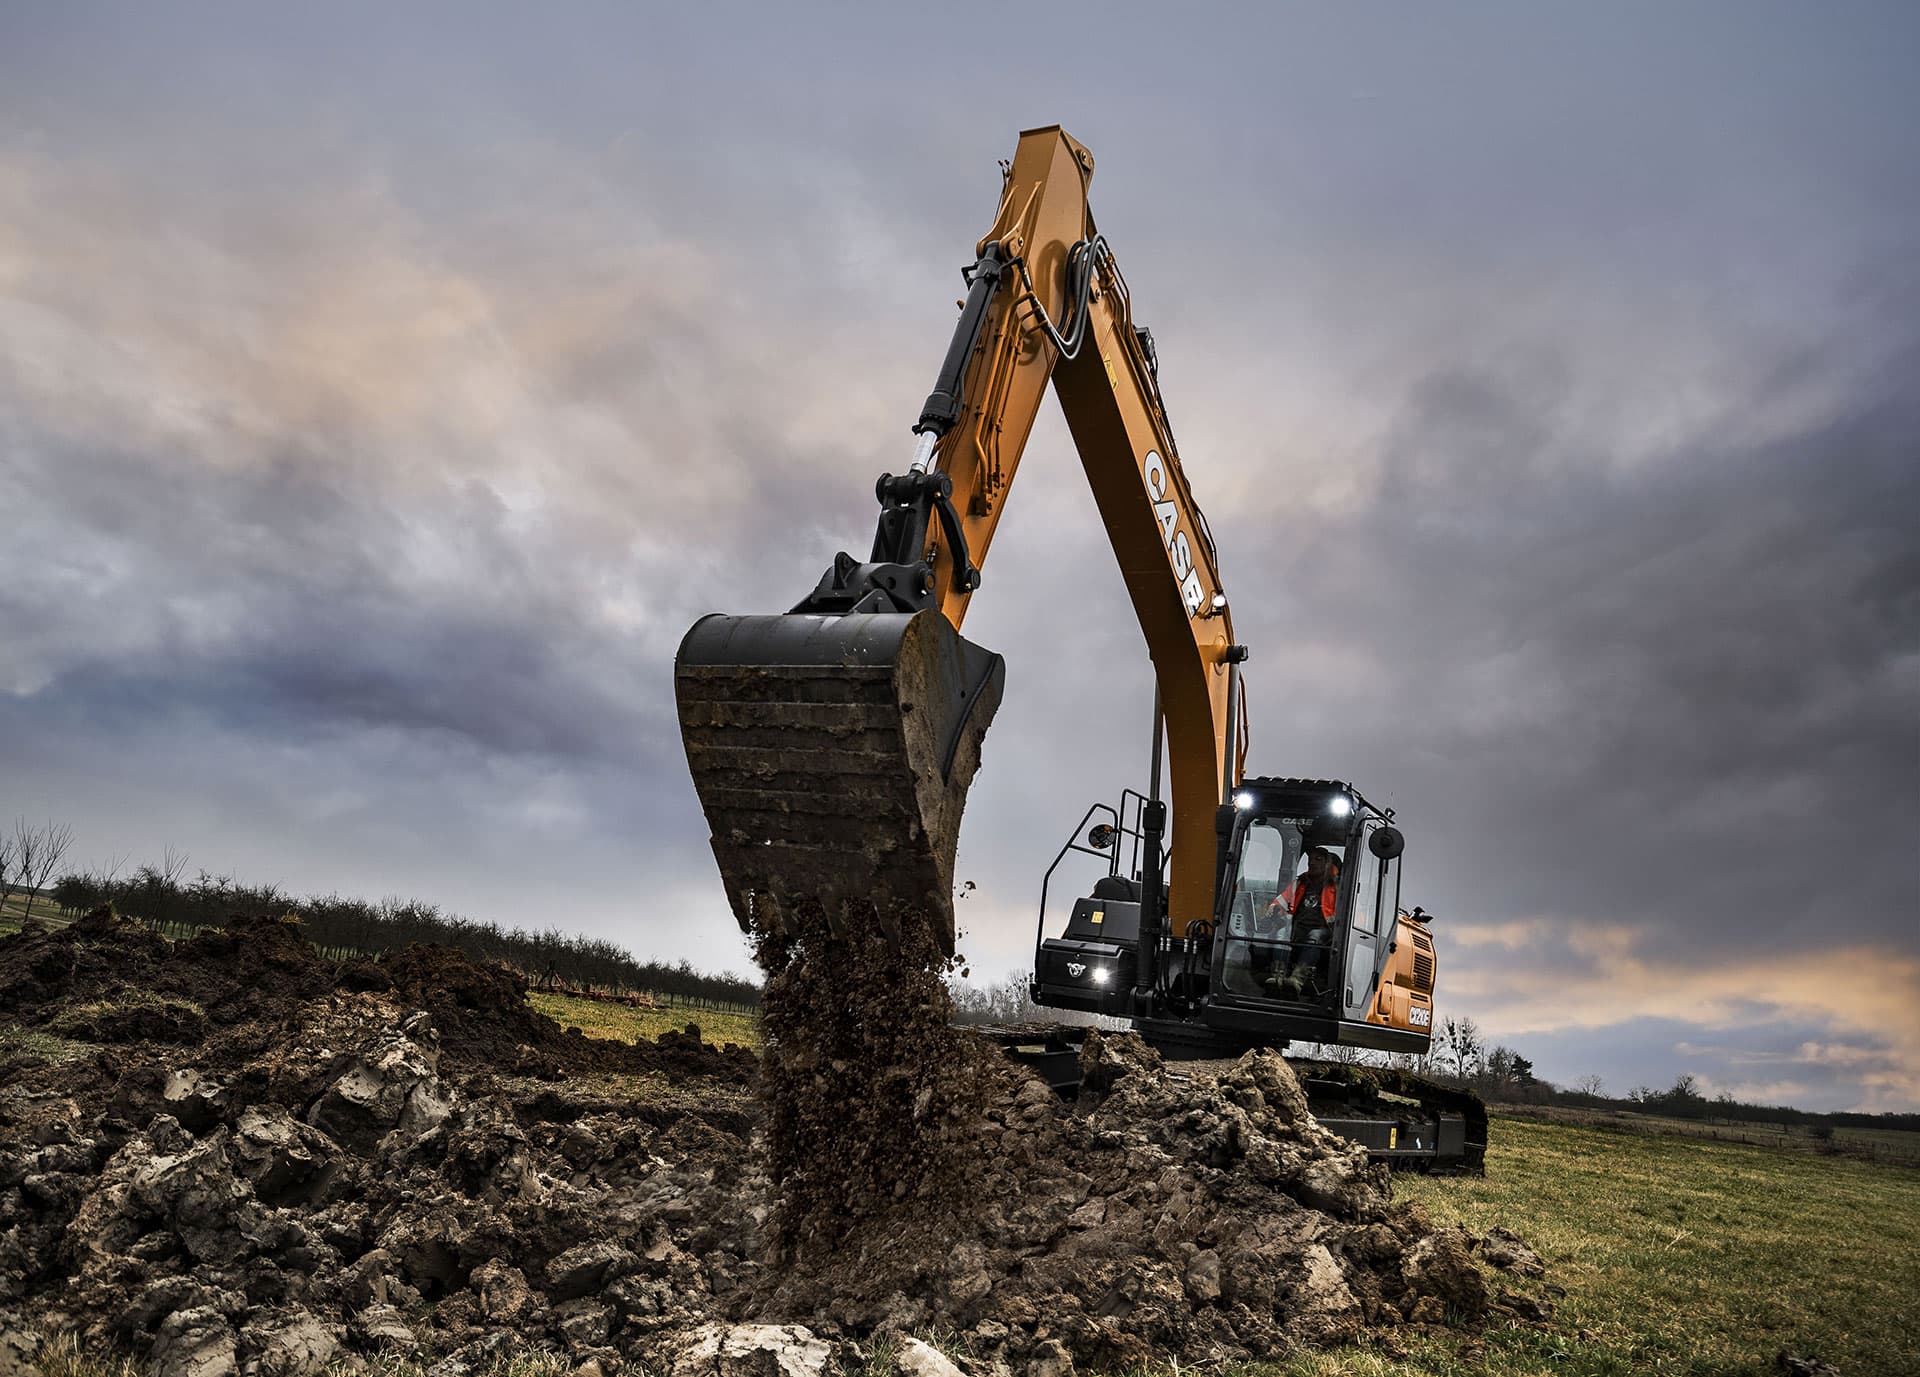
(1679, 1256)
(26, 1042)
(1900, 1143)
(622, 1023)
(80, 1015)
(13, 913)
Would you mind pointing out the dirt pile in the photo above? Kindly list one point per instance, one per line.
(922, 1182)
(236, 988)
(1157, 1219)
(308, 1161)
(349, 1174)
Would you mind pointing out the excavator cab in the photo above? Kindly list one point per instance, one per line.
(1311, 936)
(1267, 969)
(1307, 942)
(1266, 949)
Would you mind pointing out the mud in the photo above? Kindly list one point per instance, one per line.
(349, 1170)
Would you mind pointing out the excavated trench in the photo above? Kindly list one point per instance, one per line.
(228, 1155)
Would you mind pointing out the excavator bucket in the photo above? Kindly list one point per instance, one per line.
(832, 755)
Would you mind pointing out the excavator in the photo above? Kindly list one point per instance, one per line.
(832, 746)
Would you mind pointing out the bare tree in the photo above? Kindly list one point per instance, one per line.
(40, 851)
(1590, 1084)
(173, 864)
(9, 869)
(1461, 1039)
(26, 855)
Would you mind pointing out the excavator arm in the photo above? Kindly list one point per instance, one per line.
(832, 746)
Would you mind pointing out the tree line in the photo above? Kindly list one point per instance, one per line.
(157, 895)
(1461, 1056)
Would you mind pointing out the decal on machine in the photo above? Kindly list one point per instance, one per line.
(1153, 470)
(1419, 1017)
(1076, 969)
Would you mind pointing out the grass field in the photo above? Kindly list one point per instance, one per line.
(14, 910)
(1680, 1256)
(1887, 1144)
(602, 1020)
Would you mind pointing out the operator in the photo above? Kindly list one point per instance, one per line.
(1309, 902)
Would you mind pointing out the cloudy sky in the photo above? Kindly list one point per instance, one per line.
(383, 392)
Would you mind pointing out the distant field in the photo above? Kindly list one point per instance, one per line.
(14, 911)
(602, 1020)
(1887, 1144)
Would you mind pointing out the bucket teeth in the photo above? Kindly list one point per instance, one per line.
(832, 756)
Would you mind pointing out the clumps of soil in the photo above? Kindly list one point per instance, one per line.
(328, 1173)
(104, 980)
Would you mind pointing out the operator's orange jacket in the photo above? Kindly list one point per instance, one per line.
(1290, 898)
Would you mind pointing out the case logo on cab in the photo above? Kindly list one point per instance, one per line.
(1153, 470)
(1076, 969)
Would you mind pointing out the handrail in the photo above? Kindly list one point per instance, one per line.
(1122, 830)
(1073, 844)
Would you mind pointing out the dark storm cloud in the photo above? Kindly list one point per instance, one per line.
(1682, 697)
(279, 601)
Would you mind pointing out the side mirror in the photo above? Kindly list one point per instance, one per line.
(1387, 843)
(1100, 838)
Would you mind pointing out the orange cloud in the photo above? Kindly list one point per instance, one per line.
(1613, 984)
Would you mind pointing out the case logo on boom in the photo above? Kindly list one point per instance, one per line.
(1154, 470)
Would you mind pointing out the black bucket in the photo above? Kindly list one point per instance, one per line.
(832, 756)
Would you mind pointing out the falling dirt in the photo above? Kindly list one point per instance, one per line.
(398, 1157)
(873, 1098)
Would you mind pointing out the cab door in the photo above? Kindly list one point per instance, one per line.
(1376, 889)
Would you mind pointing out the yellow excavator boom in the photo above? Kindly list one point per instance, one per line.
(832, 746)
